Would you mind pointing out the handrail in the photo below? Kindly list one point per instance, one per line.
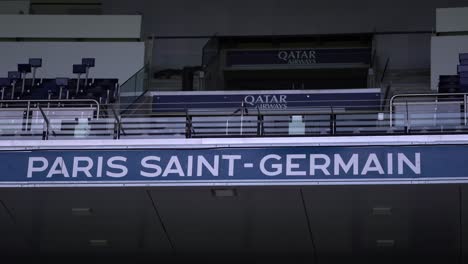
(119, 123)
(328, 120)
(136, 100)
(385, 70)
(133, 78)
(330, 123)
(427, 95)
(28, 102)
(46, 135)
(384, 99)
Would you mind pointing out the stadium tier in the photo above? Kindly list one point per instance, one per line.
(456, 83)
(267, 132)
(19, 86)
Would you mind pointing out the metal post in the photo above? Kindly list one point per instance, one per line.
(3, 94)
(227, 126)
(332, 121)
(259, 123)
(49, 99)
(118, 122)
(78, 84)
(27, 114)
(407, 118)
(86, 76)
(188, 124)
(13, 84)
(33, 76)
(24, 82)
(242, 118)
(45, 134)
(391, 111)
(465, 108)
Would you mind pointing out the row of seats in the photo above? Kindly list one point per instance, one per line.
(456, 83)
(18, 87)
(102, 90)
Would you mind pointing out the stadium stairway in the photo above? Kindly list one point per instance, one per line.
(407, 82)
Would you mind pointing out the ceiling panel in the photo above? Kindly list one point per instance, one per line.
(11, 240)
(125, 218)
(464, 223)
(422, 222)
(267, 222)
(257, 220)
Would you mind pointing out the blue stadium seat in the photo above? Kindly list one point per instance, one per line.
(18, 87)
(462, 68)
(463, 57)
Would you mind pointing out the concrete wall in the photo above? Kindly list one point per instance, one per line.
(406, 51)
(452, 19)
(245, 17)
(276, 17)
(70, 26)
(113, 59)
(14, 7)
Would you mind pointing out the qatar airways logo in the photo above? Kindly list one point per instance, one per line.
(267, 101)
(298, 57)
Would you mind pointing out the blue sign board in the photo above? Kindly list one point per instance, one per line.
(367, 100)
(297, 56)
(275, 164)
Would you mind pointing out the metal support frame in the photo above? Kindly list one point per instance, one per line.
(33, 76)
(242, 118)
(188, 125)
(23, 84)
(3, 96)
(118, 124)
(86, 77)
(407, 122)
(332, 121)
(78, 83)
(259, 123)
(465, 107)
(45, 133)
(13, 85)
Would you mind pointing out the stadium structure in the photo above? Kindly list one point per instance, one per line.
(222, 132)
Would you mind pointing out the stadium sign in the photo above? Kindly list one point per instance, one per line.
(302, 165)
(301, 56)
(297, 56)
(267, 101)
(211, 166)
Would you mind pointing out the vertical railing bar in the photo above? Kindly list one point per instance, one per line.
(46, 136)
(227, 126)
(27, 114)
(242, 118)
(465, 108)
(407, 118)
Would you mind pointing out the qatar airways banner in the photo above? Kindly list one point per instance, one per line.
(237, 165)
(305, 56)
(367, 98)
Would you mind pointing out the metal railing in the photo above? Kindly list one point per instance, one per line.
(40, 117)
(439, 99)
(133, 88)
(87, 119)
